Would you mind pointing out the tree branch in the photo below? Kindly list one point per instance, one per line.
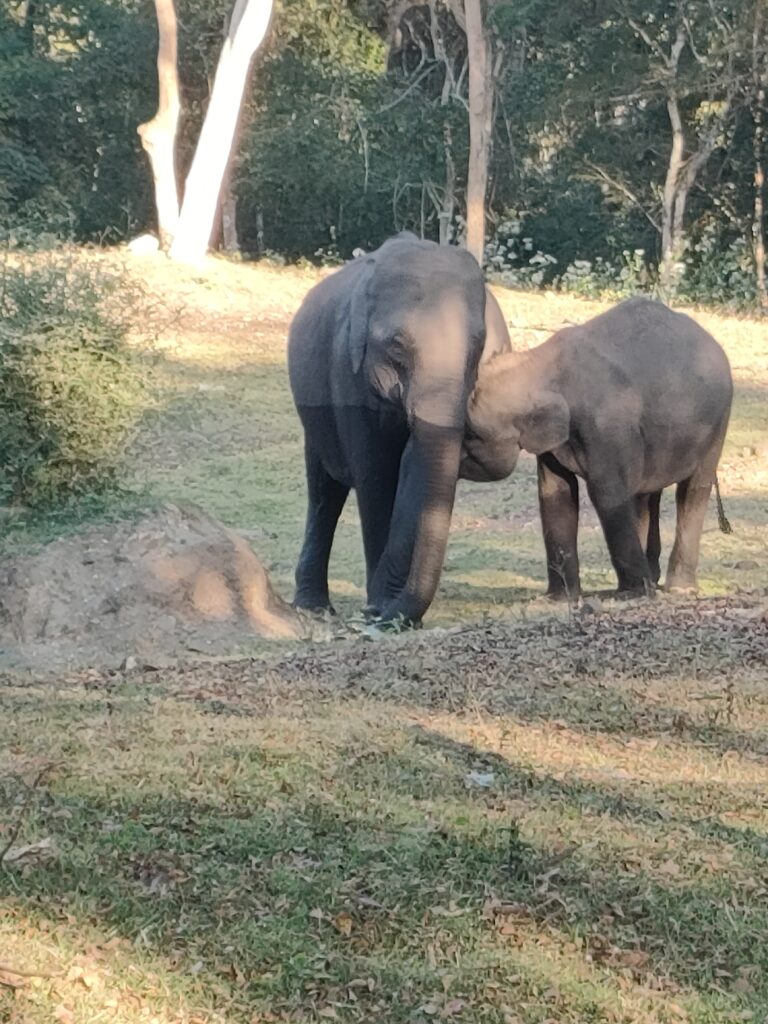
(625, 191)
(406, 92)
(651, 43)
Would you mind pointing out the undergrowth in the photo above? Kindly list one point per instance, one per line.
(72, 390)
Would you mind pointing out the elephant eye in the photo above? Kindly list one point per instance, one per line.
(399, 350)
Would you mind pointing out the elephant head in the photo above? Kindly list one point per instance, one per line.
(515, 405)
(416, 334)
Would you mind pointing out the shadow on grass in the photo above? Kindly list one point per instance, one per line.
(591, 799)
(290, 888)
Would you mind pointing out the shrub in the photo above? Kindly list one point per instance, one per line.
(720, 271)
(510, 258)
(72, 390)
(603, 279)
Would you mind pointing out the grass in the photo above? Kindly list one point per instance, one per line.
(328, 836)
(520, 821)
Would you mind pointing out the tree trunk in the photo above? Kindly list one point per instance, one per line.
(29, 25)
(260, 249)
(671, 211)
(480, 125)
(250, 21)
(158, 136)
(229, 239)
(758, 150)
(449, 192)
(758, 215)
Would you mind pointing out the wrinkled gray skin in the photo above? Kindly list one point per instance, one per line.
(382, 357)
(630, 402)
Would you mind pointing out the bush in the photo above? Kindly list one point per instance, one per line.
(510, 258)
(720, 271)
(72, 390)
(603, 279)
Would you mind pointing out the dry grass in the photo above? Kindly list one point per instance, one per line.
(522, 821)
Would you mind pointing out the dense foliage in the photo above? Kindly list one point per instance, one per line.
(71, 389)
(356, 126)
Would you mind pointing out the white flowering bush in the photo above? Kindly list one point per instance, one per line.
(510, 256)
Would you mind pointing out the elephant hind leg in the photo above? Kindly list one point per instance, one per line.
(326, 498)
(643, 513)
(692, 498)
(653, 545)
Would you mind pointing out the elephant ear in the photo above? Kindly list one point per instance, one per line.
(545, 424)
(497, 339)
(357, 317)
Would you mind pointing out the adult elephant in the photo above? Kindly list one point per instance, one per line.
(635, 400)
(382, 357)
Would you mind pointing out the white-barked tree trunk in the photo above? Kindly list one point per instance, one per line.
(247, 29)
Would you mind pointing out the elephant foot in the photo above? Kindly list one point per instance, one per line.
(398, 625)
(562, 596)
(682, 589)
(316, 606)
(633, 593)
(393, 622)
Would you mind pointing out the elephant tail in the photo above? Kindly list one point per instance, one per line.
(722, 518)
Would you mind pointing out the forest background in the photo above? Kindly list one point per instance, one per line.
(627, 143)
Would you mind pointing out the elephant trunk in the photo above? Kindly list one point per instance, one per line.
(436, 405)
(435, 470)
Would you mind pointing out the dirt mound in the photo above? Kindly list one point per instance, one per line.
(174, 582)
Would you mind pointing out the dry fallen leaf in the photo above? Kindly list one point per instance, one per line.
(453, 1007)
(431, 1009)
(343, 924)
(34, 853)
(452, 910)
(669, 867)
(9, 980)
(479, 780)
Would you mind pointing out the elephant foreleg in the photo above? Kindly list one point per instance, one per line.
(395, 563)
(618, 517)
(559, 508)
(375, 500)
(326, 498)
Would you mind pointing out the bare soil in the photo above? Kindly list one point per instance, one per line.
(171, 583)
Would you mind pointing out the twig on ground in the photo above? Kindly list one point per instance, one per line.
(19, 972)
(31, 789)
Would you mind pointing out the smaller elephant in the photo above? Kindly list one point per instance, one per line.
(632, 401)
